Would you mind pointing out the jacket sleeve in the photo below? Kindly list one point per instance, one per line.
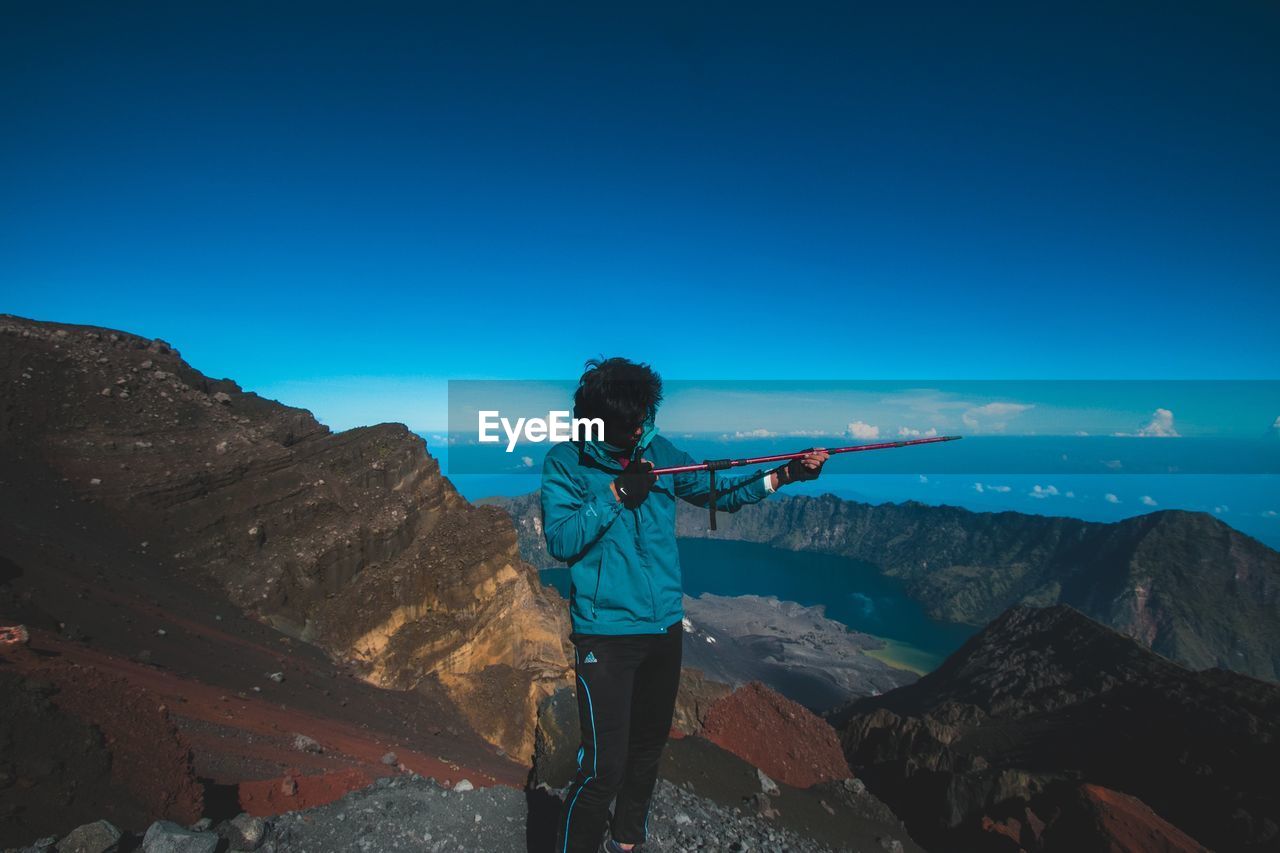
(732, 491)
(573, 515)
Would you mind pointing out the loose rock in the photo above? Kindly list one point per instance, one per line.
(303, 743)
(165, 836)
(97, 837)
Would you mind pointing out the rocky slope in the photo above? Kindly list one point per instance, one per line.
(418, 814)
(708, 798)
(353, 541)
(756, 754)
(782, 738)
(1183, 584)
(1042, 700)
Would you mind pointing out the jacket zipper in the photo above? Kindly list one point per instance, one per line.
(595, 596)
(644, 558)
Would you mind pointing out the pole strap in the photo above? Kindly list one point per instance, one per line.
(714, 465)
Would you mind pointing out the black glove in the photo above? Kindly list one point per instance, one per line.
(796, 471)
(634, 482)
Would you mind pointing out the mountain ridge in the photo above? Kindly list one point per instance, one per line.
(1185, 584)
(353, 541)
(1044, 699)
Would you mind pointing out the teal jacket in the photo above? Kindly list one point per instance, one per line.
(623, 564)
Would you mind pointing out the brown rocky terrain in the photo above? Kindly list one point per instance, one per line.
(118, 653)
(353, 541)
(282, 614)
(996, 742)
(698, 694)
(806, 787)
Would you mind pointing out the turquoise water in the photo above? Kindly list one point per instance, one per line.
(854, 593)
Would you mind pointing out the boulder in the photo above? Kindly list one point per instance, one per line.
(165, 836)
(97, 837)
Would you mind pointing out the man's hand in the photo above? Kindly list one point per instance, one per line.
(633, 484)
(807, 467)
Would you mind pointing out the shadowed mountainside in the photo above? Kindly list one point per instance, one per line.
(352, 541)
(1006, 730)
(1182, 583)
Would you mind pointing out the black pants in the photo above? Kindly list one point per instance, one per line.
(626, 696)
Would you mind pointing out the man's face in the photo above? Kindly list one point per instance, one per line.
(624, 437)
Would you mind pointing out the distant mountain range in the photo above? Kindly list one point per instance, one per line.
(1184, 584)
(993, 750)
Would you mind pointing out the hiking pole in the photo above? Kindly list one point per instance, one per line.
(714, 465)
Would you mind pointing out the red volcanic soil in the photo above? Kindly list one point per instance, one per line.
(114, 635)
(1126, 823)
(79, 744)
(1088, 817)
(295, 791)
(162, 740)
(781, 737)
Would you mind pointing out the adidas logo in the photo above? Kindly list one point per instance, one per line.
(590, 658)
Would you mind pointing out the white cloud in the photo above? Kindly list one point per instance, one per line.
(1110, 498)
(1271, 513)
(1038, 491)
(1160, 426)
(1113, 464)
(908, 432)
(981, 488)
(1069, 495)
(923, 479)
(1148, 500)
(1219, 510)
(993, 416)
(527, 461)
(767, 433)
(863, 430)
(1276, 425)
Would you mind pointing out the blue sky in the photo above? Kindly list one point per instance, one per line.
(342, 206)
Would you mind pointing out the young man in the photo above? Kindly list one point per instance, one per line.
(607, 517)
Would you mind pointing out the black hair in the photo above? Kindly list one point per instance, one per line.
(620, 392)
